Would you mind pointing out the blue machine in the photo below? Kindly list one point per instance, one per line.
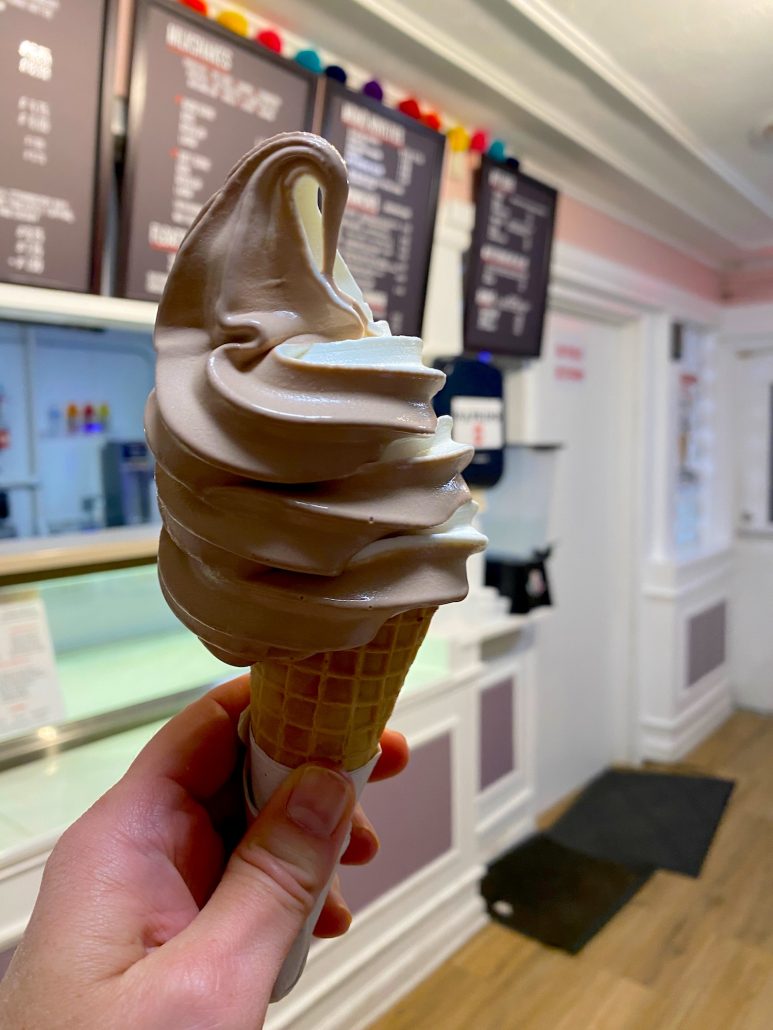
(473, 396)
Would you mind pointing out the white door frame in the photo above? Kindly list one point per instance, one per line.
(643, 309)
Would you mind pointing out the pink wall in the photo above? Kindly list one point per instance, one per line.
(750, 281)
(586, 227)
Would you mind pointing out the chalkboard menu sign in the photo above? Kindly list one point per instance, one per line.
(200, 98)
(509, 263)
(394, 167)
(53, 170)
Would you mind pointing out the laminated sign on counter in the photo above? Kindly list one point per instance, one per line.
(30, 694)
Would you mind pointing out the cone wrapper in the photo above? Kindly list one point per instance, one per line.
(262, 777)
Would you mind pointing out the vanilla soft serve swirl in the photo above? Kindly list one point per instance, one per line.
(307, 490)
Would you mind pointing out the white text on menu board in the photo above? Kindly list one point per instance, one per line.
(378, 230)
(504, 276)
(208, 66)
(33, 121)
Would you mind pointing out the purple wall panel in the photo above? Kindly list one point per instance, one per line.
(413, 816)
(496, 733)
(706, 634)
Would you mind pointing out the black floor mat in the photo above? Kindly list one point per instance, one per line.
(646, 819)
(555, 894)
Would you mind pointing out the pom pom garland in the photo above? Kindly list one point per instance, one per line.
(458, 139)
(373, 89)
(497, 150)
(234, 21)
(410, 106)
(310, 59)
(270, 40)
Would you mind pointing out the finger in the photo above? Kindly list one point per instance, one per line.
(335, 918)
(199, 747)
(276, 874)
(394, 756)
(364, 843)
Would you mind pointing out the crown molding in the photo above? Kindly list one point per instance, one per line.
(597, 60)
(430, 37)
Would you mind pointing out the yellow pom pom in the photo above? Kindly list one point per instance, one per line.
(458, 139)
(235, 22)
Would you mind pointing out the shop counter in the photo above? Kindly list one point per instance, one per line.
(124, 665)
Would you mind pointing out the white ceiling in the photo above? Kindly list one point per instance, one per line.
(643, 107)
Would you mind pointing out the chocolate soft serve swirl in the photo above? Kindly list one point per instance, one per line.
(307, 490)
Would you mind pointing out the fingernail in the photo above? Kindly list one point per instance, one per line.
(318, 800)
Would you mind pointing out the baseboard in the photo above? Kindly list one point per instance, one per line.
(353, 1000)
(669, 740)
(504, 828)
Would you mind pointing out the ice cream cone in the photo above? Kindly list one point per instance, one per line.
(334, 705)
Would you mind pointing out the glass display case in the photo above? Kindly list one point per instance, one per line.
(118, 657)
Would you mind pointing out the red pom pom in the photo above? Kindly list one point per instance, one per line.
(270, 40)
(195, 5)
(479, 142)
(410, 106)
(432, 120)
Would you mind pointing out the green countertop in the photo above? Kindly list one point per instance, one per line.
(41, 798)
(109, 676)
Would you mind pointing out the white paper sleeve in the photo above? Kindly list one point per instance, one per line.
(262, 776)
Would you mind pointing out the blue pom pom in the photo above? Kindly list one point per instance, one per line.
(497, 150)
(310, 59)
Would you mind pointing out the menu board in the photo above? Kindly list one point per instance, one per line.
(394, 167)
(509, 262)
(200, 98)
(51, 106)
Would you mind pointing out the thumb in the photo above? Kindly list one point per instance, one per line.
(278, 871)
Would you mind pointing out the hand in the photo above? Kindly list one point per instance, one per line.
(158, 910)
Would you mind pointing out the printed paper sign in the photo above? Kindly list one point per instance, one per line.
(478, 422)
(30, 694)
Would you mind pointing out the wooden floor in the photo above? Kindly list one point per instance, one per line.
(692, 954)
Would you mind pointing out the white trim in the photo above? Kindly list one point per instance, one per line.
(567, 186)
(429, 36)
(58, 307)
(742, 320)
(668, 740)
(388, 967)
(507, 827)
(597, 60)
(614, 291)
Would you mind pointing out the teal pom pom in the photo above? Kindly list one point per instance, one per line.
(497, 150)
(310, 59)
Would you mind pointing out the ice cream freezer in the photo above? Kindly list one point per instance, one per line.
(119, 665)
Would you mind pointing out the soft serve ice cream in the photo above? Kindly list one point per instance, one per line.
(308, 492)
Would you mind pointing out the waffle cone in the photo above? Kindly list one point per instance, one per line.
(334, 705)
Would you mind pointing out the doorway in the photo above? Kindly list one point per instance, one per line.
(584, 399)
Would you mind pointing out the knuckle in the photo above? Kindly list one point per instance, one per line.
(285, 883)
